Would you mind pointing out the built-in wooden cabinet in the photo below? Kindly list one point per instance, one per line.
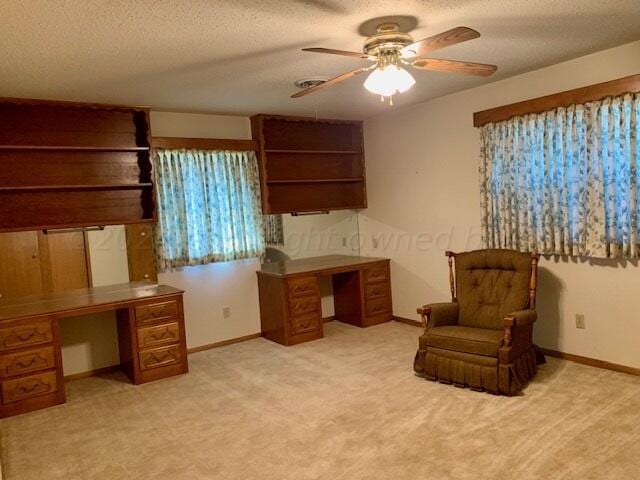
(33, 263)
(73, 164)
(309, 165)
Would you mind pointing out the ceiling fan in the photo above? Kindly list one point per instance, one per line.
(392, 49)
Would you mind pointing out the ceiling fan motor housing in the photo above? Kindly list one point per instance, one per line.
(389, 38)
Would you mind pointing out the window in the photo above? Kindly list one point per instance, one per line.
(566, 181)
(208, 207)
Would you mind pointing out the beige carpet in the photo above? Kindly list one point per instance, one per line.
(346, 407)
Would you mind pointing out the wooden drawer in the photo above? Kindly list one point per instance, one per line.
(304, 305)
(377, 273)
(299, 287)
(157, 335)
(305, 323)
(26, 361)
(376, 290)
(156, 312)
(27, 387)
(160, 357)
(378, 306)
(25, 335)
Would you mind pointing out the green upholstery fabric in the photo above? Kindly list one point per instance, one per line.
(478, 372)
(491, 284)
(478, 341)
(443, 314)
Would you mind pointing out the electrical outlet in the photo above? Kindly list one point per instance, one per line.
(226, 312)
(374, 242)
(580, 322)
(344, 241)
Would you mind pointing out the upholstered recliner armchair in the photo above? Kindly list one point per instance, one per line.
(483, 338)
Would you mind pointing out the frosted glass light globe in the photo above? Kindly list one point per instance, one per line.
(389, 80)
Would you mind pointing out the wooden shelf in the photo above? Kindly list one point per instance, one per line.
(69, 165)
(74, 147)
(319, 180)
(48, 188)
(326, 152)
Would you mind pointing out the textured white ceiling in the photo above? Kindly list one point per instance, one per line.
(243, 56)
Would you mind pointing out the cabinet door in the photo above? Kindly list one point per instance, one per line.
(64, 261)
(140, 252)
(20, 273)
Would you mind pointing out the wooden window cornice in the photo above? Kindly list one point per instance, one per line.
(563, 99)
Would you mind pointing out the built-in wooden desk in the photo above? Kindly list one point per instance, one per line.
(290, 310)
(151, 338)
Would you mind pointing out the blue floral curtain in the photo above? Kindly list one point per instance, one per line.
(565, 182)
(208, 207)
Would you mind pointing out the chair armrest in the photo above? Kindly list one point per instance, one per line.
(438, 314)
(521, 318)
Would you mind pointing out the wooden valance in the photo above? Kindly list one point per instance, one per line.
(563, 99)
(204, 143)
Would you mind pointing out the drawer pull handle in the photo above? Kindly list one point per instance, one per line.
(166, 333)
(28, 336)
(35, 359)
(36, 386)
(155, 359)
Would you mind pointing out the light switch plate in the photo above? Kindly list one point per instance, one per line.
(580, 322)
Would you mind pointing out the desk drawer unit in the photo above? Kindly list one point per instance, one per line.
(377, 294)
(290, 303)
(151, 339)
(160, 350)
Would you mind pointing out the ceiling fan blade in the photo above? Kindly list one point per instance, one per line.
(344, 53)
(441, 40)
(455, 66)
(331, 81)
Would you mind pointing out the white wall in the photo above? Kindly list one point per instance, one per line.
(422, 183)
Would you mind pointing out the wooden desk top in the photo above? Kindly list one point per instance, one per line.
(83, 300)
(323, 264)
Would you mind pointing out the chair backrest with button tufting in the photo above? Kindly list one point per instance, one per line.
(491, 284)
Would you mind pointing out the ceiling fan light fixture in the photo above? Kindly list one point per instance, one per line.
(388, 80)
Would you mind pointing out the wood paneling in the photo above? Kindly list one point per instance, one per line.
(308, 164)
(73, 164)
(204, 143)
(562, 99)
